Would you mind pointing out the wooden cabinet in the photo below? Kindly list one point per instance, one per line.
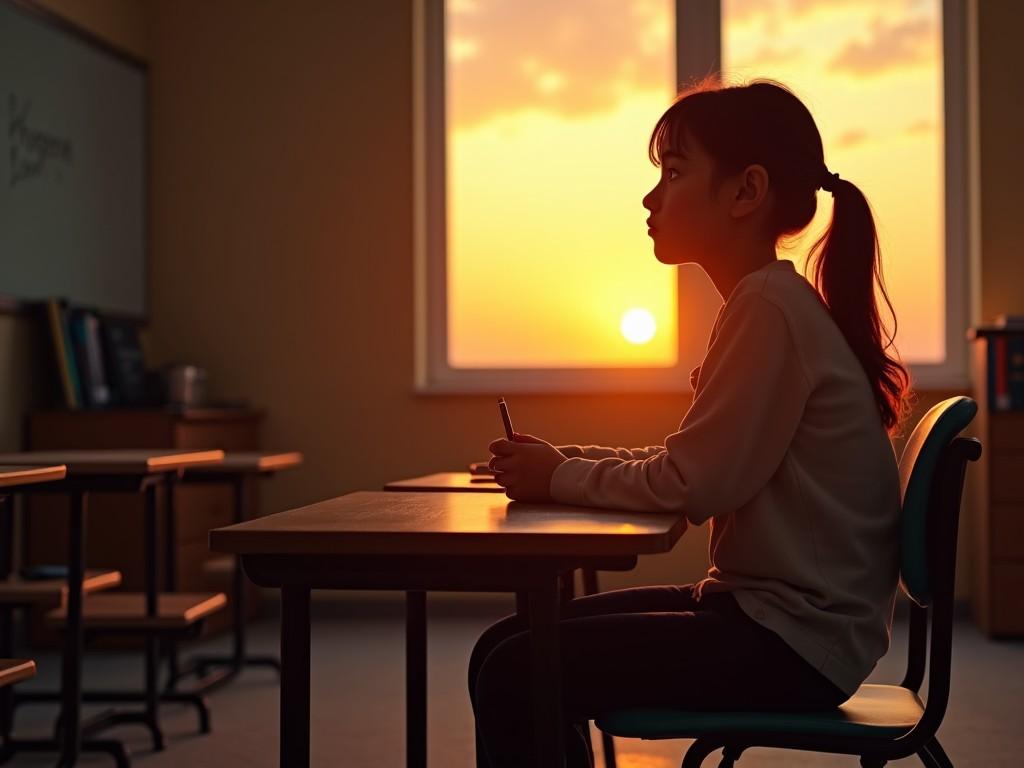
(114, 534)
(996, 487)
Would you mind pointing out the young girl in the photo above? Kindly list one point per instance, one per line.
(785, 449)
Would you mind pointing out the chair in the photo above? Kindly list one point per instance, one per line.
(879, 722)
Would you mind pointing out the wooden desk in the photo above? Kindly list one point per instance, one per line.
(14, 478)
(15, 670)
(238, 470)
(435, 541)
(246, 463)
(462, 482)
(131, 471)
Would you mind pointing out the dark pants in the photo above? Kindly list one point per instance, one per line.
(643, 647)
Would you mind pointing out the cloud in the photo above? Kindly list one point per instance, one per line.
(768, 56)
(889, 47)
(850, 139)
(573, 57)
(919, 127)
(808, 7)
(740, 11)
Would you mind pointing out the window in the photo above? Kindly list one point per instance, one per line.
(871, 72)
(534, 271)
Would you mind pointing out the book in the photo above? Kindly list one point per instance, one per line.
(85, 340)
(64, 355)
(125, 367)
(1006, 372)
(1010, 321)
(1015, 371)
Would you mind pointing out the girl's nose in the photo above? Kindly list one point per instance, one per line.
(648, 201)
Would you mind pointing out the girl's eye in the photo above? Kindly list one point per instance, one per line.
(671, 173)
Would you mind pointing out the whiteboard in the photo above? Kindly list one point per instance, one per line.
(73, 189)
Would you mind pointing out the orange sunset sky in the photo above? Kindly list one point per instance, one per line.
(550, 108)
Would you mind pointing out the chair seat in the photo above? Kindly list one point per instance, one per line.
(874, 711)
(127, 611)
(16, 670)
(18, 591)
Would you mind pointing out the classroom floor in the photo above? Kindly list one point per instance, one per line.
(358, 698)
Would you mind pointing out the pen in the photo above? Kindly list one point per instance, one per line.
(503, 408)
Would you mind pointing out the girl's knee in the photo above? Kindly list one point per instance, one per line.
(486, 643)
(504, 675)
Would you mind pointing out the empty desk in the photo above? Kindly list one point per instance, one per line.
(127, 471)
(239, 470)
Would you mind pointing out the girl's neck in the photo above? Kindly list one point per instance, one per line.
(726, 273)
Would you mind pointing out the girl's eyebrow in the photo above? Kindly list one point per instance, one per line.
(674, 155)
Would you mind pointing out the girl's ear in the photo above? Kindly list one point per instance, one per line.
(751, 191)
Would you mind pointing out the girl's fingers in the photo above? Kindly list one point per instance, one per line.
(502, 464)
(506, 479)
(501, 447)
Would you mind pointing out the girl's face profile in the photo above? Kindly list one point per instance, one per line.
(684, 217)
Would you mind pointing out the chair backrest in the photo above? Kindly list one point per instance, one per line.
(919, 466)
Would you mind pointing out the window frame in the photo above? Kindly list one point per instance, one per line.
(698, 54)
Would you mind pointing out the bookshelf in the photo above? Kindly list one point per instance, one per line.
(997, 489)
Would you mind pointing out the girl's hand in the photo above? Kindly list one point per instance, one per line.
(524, 467)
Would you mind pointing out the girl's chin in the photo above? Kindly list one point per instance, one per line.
(666, 257)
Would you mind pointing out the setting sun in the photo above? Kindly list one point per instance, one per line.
(638, 326)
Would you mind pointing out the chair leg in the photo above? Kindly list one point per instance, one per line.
(700, 749)
(933, 756)
(608, 745)
(730, 754)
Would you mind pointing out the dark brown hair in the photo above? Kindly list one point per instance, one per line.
(764, 123)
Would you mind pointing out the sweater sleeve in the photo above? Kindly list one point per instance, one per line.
(732, 439)
(602, 452)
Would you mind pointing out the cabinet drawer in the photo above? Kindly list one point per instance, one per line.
(1007, 526)
(1006, 478)
(226, 435)
(1008, 598)
(1006, 433)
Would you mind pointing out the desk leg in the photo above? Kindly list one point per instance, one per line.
(416, 679)
(547, 694)
(71, 672)
(170, 572)
(294, 676)
(152, 668)
(241, 500)
(6, 612)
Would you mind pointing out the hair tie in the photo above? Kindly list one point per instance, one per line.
(829, 182)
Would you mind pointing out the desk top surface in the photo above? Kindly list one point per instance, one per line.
(447, 481)
(16, 475)
(430, 523)
(241, 462)
(115, 462)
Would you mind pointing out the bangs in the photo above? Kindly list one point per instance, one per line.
(674, 131)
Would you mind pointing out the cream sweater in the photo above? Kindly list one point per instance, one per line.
(783, 449)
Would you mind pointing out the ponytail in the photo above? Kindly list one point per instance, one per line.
(846, 264)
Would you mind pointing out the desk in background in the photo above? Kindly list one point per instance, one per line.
(239, 471)
(119, 516)
(13, 479)
(121, 471)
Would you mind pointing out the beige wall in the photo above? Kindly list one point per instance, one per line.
(1001, 122)
(282, 170)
